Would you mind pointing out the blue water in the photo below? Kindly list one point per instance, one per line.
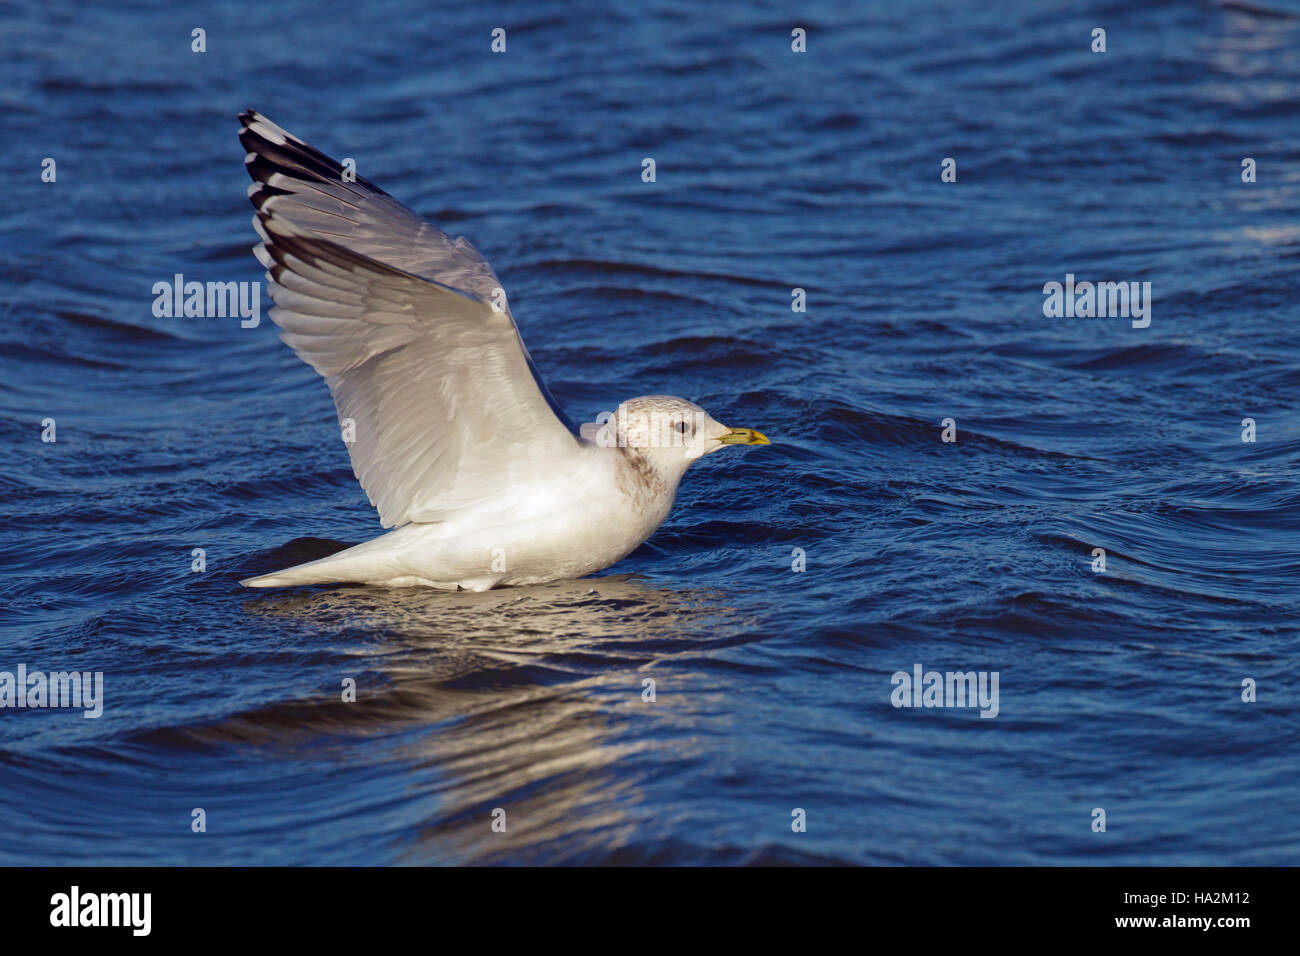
(1119, 690)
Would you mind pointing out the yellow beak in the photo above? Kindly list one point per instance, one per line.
(744, 436)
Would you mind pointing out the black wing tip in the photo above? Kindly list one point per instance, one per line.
(292, 156)
(279, 151)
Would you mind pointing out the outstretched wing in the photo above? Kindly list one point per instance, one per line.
(398, 318)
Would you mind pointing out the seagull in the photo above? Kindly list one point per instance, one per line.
(482, 479)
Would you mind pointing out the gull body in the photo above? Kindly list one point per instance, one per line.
(584, 516)
(456, 440)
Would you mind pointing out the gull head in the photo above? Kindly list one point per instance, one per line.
(670, 433)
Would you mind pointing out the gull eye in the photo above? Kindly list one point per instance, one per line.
(681, 427)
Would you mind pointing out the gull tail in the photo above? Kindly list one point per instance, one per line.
(361, 564)
(292, 577)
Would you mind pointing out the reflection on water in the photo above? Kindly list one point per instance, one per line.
(517, 699)
(531, 618)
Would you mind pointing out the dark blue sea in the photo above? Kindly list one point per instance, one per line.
(1162, 690)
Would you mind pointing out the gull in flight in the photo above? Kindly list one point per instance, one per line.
(481, 478)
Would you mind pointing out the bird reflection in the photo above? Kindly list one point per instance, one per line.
(518, 700)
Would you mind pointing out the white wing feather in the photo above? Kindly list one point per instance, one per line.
(396, 317)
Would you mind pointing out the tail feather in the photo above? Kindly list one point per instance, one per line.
(358, 564)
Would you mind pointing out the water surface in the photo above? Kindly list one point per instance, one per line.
(775, 171)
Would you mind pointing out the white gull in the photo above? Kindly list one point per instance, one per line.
(455, 438)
